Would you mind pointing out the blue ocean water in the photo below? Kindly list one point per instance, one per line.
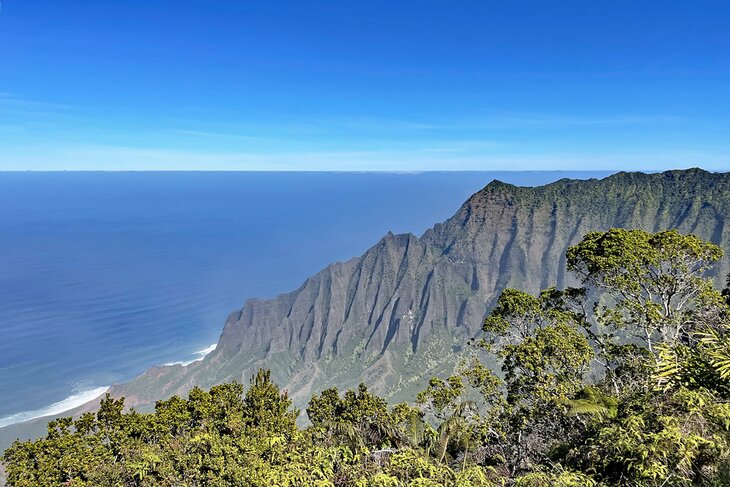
(103, 275)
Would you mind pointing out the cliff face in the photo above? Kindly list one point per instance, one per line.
(401, 313)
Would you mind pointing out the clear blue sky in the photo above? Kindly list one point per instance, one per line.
(364, 85)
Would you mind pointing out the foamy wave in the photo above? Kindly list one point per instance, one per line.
(200, 354)
(71, 402)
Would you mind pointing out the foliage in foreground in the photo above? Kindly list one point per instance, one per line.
(625, 381)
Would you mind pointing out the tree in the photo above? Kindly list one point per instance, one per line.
(356, 419)
(267, 409)
(657, 282)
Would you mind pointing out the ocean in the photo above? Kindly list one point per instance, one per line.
(103, 275)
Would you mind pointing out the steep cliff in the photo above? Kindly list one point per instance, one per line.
(402, 312)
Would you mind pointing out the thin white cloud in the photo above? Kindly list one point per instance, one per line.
(425, 127)
(222, 135)
(118, 158)
(566, 120)
(18, 104)
(490, 121)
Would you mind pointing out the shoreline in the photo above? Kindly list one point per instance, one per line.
(82, 397)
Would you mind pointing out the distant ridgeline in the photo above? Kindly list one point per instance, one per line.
(402, 312)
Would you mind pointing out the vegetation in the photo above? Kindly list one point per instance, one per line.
(625, 381)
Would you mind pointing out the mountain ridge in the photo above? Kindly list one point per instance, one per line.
(406, 295)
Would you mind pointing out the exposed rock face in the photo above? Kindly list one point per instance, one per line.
(402, 312)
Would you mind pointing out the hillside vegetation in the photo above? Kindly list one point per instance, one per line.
(624, 381)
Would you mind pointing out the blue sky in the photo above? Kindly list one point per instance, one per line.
(366, 85)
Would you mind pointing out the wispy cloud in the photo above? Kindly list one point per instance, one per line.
(354, 143)
(287, 125)
(40, 119)
(134, 158)
(457, 146)
(222, 135)
(10, 102)
(492, 120)
(566, 120)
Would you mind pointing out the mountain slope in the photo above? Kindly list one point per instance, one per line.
(402, 312)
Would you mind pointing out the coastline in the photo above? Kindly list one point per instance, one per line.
(79, 398)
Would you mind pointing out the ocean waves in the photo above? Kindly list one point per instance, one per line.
(200, 355)
(71, 402)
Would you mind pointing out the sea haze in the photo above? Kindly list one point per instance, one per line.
(103, 275)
